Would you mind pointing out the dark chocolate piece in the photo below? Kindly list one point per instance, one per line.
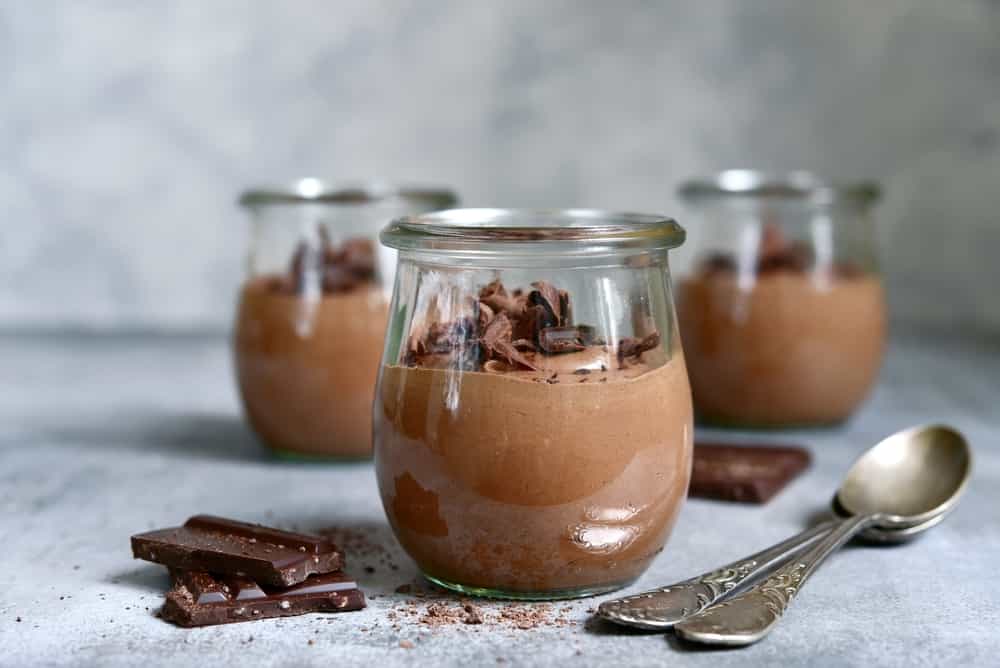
(199, 598)
(339, 268)
(744, 473)
(269, 556)
(546, 296)
(631, 348)
(555, 340)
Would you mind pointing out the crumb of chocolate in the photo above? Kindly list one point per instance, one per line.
(472, 615)
(369, 569)
(582, 372)
(438, 614)
(18, 619)
(406, 644)
(311, 642)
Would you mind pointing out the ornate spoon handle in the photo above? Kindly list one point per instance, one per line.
(748, 617)
(663, 607)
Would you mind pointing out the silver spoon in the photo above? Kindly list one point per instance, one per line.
(907, 483)
(662, 608)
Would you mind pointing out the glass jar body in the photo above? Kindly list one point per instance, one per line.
(310, 323)
(781, 310)
(533, 421)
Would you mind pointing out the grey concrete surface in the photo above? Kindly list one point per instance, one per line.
(104, 436)
(127, 128)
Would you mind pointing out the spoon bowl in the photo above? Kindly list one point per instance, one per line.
(908, 479)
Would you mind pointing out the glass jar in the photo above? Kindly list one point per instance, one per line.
(781, 305)
(312, 313)
(533, 419)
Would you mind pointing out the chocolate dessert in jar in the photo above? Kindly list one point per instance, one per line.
(780, 302)
(312, 313)
(533, 418)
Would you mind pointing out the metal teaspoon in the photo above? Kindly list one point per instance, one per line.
(663, 607)
(907, 482)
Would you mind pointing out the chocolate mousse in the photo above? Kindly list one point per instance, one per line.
(307, 347)
(788, 342)
(521, 454)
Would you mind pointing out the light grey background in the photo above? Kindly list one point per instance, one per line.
(126, 129)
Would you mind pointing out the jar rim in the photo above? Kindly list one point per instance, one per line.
(311, 190)
(574, 231)
(801, 185)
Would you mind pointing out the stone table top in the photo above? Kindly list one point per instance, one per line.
(103, 436)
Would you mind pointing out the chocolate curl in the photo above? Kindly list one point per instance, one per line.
(631, 348)
(496, 339)
(546, 296)
(495, 296)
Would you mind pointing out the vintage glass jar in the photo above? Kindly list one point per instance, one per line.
(533, 419)
(780, 303)
(312, 313)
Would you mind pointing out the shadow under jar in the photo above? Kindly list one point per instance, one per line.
(533, 418)
(312, 314)
(781, 307)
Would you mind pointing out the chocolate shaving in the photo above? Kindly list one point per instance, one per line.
(338, 268)
(774, 253)
(496, 339)
(457, 338)
(631, 348)
(565, 310)
(485, 315)
(498, 330)
(547, 297)
(530, 322)
(510, 331)
(495, 296)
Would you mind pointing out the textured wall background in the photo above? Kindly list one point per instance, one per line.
(127, 128)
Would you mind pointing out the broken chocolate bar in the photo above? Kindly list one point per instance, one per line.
(198, 598)
(268, 556)
(745, 473)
